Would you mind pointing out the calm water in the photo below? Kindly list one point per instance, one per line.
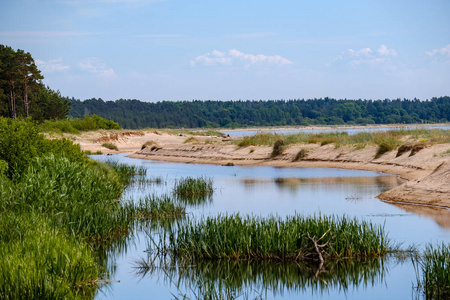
(279, 191)
(350, 131)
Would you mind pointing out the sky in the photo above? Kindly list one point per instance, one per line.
(155, 50)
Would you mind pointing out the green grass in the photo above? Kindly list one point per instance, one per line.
(391, 138)
(301, 154)
(191, 187)
(110, 146)
(236, 237)
(153, 206)
(87, 123)
(435, 266)
(278, 148)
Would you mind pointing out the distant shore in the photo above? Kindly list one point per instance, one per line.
(427, 172)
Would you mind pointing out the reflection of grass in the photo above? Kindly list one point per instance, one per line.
(294, 238)
(222, 278)
(435, 282)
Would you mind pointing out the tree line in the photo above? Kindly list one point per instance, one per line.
(22, 93)
(134, 114)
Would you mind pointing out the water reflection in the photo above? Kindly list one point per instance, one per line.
(251, 279)
(440, 215)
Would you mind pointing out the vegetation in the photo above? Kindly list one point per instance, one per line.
(231, 114)
(435, 282)
(294, 238)
(386, 141)
(87, 123)
(59, 213)
(232, 279)
(301, 154)
(110, 146)
(192, 187)
(153, 206)
(278, 148)
(22, 93)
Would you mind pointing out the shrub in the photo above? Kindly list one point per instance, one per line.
(110, 146)
(302, 153)
(278, 148)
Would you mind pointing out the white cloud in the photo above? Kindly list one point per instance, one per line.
(235, 57)
(362, 52)
(50, 66)
(384, 51)
(96, 66)
(444, 51)
(367, 56)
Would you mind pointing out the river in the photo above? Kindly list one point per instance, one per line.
(264, 191)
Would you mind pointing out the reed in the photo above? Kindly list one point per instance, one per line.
(435, 266)
(190, 187)
(126, 172)
(153, 206)
(39, 261)
(293, 238)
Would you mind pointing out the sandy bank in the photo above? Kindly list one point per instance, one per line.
(427, 171)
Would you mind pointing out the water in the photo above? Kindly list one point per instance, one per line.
(268, 191)
(350, 131)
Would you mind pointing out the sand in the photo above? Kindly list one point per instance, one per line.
(427, 172)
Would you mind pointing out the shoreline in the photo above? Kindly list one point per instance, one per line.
(427, 172)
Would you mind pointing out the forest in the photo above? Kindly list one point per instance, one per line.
(134, 114)
(22, 93)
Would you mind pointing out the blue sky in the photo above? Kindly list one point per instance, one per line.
(155, 50)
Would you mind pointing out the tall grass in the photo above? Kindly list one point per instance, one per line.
(251, 237)
(391, 139)
(38, 261)
(190, 187)
(435, 266)
(153, 206)
(126, 172)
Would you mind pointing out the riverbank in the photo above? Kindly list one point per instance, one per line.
(427, 168)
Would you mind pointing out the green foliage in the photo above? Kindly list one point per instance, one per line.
(236, 237)
(110, 146)
(155, 207)
(435, 282)
(302, 153)
(278, 148)
(190, 186)
(87, 123)
(38, 261)
(21, 142)
(22, 94)
(217, 114)
(94, 122)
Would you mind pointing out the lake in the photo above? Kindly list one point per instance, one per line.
(264, 191)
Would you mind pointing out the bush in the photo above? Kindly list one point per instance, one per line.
(110, 146)
(278, 148)
(21, 142)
